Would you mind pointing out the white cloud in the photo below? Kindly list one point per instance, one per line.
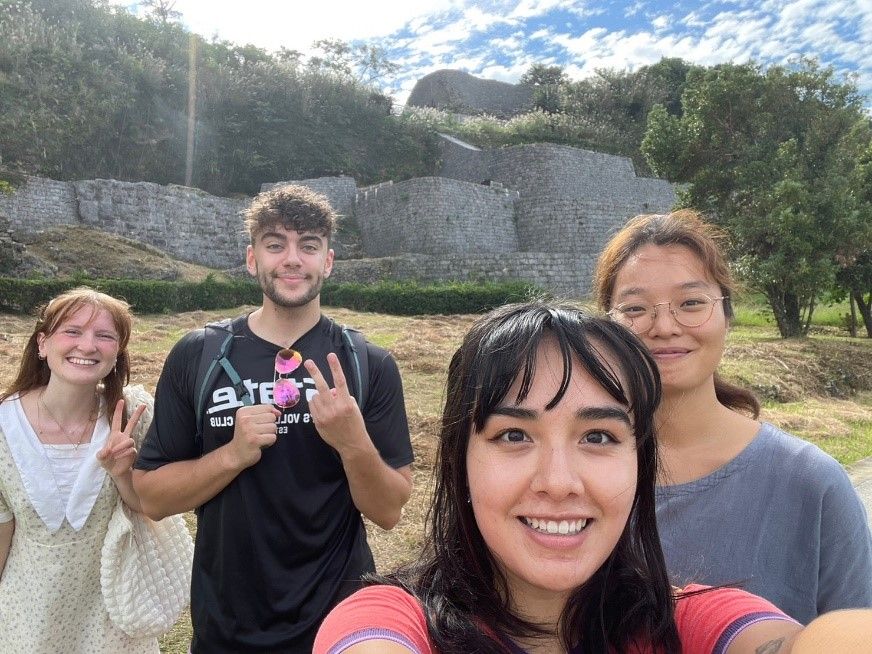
(661, 22)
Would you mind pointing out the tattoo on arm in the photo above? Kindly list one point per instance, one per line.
(771, 647)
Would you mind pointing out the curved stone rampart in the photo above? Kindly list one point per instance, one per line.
(559, 273)
(434, 215)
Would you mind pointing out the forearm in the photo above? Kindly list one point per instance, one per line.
(7, 529)
(379, 491)
(184, 485)
(124, 484)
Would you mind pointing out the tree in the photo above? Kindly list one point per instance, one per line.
(760, 152)
(854, 259)
(616, 103)
(548, 84)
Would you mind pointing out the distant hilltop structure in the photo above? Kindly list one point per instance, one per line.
(459, 92)
(540, 213)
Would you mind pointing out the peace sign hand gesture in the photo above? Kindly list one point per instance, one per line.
(119, 453)
(334, 411)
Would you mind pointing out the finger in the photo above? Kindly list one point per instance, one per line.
(126, 452)
(126, 444)
(117, 416)
(317, 377)
(257, 410)
(102, 454)
(338, 376)
(131, 422)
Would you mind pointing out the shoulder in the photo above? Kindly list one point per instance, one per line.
(806, 464)
(379, 612)
(709, 619)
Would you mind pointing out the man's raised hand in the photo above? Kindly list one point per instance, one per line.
(334, 411)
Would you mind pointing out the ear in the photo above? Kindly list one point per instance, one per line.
(328, 262)
(40, 339)
(250, 261)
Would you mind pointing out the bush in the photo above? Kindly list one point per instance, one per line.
(145, 296)
(155, 296)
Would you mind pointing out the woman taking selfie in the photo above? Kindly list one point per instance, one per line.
(541, 535)
(738, 500)
(66, 452)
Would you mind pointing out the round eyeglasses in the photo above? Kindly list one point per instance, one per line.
(691, 311)
(285, 391)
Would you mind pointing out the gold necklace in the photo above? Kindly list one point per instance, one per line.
(65, 432)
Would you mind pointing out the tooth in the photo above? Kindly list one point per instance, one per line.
(563, 527)
(552, 527)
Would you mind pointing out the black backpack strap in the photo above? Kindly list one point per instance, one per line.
(217, 343)
(355, 344)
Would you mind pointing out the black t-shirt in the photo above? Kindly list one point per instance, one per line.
(283, 542)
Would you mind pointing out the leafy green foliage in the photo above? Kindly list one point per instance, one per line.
(763, 153)
(90, 91)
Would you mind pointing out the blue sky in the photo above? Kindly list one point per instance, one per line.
(500, 39)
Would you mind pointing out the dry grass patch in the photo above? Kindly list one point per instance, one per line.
(810, 370)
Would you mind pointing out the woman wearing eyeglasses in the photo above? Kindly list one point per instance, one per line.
(738, 500)
(66, 453)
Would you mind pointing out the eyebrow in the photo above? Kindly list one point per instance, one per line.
(638, 290)
(585, 413)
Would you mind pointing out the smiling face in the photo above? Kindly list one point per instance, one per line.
(687, 357)
(290, 266)
(83, 348)
(552, 489)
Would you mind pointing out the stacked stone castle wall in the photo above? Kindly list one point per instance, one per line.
(539, 213)
(435, 215)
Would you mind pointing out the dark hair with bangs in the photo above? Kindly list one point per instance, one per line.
(456, 579)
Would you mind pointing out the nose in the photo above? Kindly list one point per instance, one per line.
(664, 322)
(557, 474)
(292, 257)
(87, 342)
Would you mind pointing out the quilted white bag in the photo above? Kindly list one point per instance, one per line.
(145, 571)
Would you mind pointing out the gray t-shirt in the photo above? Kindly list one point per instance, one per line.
(781, 519)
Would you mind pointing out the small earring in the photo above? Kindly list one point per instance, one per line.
(468, 498)
(39, 356)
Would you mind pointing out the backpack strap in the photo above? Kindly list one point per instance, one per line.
(217, 343)
(355, 344)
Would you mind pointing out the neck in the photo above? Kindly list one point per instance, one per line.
(284, 325)
(71, 403)
(687, 415)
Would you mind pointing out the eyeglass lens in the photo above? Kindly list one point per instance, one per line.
(688, 313)
(285, 391)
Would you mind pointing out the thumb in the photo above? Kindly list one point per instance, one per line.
(103, 454)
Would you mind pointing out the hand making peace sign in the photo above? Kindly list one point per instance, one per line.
(119, 453)
(334, 411)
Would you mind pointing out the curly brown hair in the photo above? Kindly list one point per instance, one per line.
(293, 207)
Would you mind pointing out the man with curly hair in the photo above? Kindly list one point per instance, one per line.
(283, 462)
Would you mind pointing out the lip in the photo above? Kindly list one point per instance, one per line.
(82, 361)
(557, 541)
(669, 352)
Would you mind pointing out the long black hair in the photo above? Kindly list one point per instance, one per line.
(463, 592)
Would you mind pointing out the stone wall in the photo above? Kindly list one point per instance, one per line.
(540, 213)
(434, 215)
(40, 203)
(187, 223)
(559, 273)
